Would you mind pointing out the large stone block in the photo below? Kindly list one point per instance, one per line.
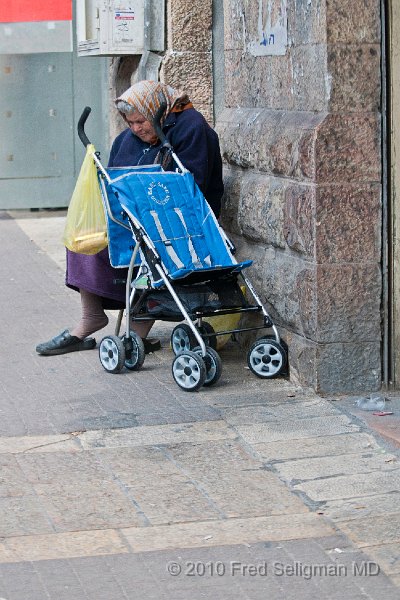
(260, 214)
(234, 25)
(302, 355)
(348, 368)
(348, 303)
(311, 83)
(326, 303)
(352, 21)
(206, 110)
(230, 201)
(263, 81)
(275, 142)
(348, 223)
(242, 138)
(347, 149)
(190, 25)
(355, 76)
(307, 22)
(299, 216)
(288, 287)
(337, 368)
(189, 71)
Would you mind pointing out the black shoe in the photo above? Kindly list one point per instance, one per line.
(63, 343)
(151, 345)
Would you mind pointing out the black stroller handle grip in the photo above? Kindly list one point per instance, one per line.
(81, 126)
(157, 126)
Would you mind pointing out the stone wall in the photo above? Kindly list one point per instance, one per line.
(301, 142)
(186, 62)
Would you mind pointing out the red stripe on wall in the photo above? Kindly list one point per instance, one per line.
(22, 11)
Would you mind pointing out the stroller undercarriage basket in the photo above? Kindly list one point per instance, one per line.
(199, 300)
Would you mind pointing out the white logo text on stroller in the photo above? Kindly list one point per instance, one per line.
(158, 192)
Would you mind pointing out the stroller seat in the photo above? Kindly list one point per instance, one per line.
(177, 221)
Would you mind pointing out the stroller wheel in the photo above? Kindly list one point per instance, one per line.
(266, 358)
(189, 370)
(284, 346)
(213, 365)
(206, 328)
(138, 353)
(112, 353)
(182, 338)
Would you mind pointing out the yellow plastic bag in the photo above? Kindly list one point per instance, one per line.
(85, 229)
(225, 323)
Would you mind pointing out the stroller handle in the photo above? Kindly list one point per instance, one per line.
(157, 126)
(81, 126)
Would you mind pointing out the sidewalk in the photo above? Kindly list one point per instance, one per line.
(125, 487)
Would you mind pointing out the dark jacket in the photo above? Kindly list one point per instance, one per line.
(195, 144)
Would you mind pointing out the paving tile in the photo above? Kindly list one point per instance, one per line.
(212, 456)
(48, 443)
(21, 581)
(350, 486)
(387, 556)
(230, 531)
(12, 479)
(77, 508)
(23, 515)
(368, 576)
(364, 506)
(61, 545)
(57, 479)
(163, 434)
(371, 532)
(329, 445)
(328, 466)
(65, 585)
(276, 410)
(59, 468)
(178, 502)
(395, 579)
(140, 465)
(233, 480)
(246, 494)
(296, 430)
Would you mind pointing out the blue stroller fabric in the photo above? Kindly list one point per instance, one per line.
(176, 218)
(120, 240)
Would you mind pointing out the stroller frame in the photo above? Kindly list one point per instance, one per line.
(196, 361)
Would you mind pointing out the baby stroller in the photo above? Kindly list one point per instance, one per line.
(181, 268)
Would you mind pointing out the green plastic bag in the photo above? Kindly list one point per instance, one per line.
(85, 229)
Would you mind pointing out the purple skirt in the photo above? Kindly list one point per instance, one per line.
(95, 274)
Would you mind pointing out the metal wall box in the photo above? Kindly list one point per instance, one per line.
(118, 27)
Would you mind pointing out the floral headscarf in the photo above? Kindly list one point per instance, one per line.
(147, 96)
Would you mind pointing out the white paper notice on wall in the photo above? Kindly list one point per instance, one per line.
(128, 23)
(272, 35)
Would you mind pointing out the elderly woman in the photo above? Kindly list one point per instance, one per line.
(196, 145)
